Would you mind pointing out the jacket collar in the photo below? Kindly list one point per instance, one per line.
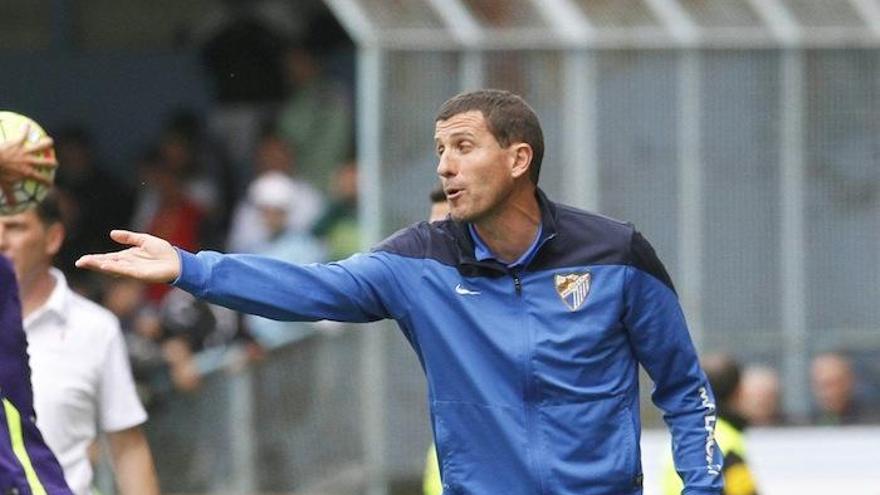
(56, 303)
(465, 243)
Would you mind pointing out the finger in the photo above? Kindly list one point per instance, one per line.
(22, 137)
(105, 264)
(40, 177)
(43, 144)
(128, 237)
(89, 261)
(84, 261)
(43, 161)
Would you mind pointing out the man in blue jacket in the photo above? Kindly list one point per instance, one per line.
(530, 318)
(27, 465)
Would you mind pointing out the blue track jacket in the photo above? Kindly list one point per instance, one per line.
(532, 371)
(27, 466)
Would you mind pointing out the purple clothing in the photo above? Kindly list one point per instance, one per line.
(19, 428)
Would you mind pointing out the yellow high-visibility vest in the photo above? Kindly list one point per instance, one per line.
(738, 478)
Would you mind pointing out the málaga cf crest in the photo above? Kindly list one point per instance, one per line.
(573, 289)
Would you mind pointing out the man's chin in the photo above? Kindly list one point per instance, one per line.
(460, 216)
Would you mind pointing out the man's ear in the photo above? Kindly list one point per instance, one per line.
(54, 238)
(522, 159)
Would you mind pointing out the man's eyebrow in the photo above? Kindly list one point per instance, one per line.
(457, 134)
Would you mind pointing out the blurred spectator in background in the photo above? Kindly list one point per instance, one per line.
(724, 376)
(140, 328)
(439, 206)
(273, 154)
(80, 372)
(165, 206)
(272, 194)
(834, 391)
(163, 340)
(206, 174)
(93, 201)
(242, 52)
(243, 56)
(316, 119)
(761, 396)
(338, 226)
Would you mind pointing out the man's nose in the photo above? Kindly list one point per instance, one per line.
(445, 167)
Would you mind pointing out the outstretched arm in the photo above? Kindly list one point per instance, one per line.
(359, 289)
(149, 259)
(20, 159)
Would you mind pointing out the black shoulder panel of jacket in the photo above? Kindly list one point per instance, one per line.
(435, 241)
(583, 238)
(645, 259)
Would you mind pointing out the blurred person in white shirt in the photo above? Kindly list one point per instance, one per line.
(80, 371)
(273, 194)
(247, 232)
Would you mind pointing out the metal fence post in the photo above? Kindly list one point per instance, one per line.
(370, 97)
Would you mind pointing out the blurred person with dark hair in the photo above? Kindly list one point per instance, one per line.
(92, 200)
(834, 391)
(164, 339)
(139, 322)
(273, 155)
(27, 465)
(242, 43)
(205, 171)
(725, 379)
(166, 208)
(316, 119)
(243, 56)
(80, 370)
(439, 205)
(529, 317)
(761, 396)
(338, 225)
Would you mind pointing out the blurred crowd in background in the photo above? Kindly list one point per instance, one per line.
(270, 169)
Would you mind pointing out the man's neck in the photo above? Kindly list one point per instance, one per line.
(510, 232)
(36, 292)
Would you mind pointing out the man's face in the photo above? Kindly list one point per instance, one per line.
(476, 172)
(29, 244)
(832, 383)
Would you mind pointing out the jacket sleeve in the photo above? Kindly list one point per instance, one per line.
(659, 337)
(26, 463)
(15, 376)
(359, 289)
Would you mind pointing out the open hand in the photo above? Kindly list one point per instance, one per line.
(149, 259)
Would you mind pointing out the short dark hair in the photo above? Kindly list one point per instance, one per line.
(509, 118)
(437, 195)
(49, 209)
(723, 373)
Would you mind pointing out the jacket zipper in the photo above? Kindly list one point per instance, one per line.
(529, 394)
(517, 283)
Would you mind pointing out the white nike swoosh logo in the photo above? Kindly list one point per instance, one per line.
(465, 292)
